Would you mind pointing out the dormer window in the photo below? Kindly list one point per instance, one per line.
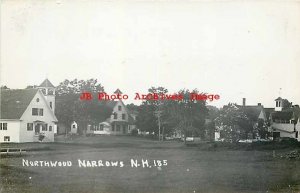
(44, 91)
(278, 103)
(50, 92)
(119, 108)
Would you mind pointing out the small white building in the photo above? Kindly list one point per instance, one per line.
(74, 128)
(26, 114)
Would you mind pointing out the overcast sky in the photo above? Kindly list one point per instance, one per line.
(232, 48)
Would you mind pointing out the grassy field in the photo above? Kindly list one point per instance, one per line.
(188, 169)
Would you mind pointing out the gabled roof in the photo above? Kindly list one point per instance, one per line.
(15, 102)
(46, 83)
(118, 91)
(252, 112)
(111, 104)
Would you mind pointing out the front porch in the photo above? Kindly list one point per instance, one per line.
(119, 128)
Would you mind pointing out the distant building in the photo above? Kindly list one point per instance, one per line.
(74, 128)
(119, 122)
(26, 114)
(284, 122)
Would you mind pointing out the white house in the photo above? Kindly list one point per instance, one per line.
(285, 122)
(119, 121)
(26, 114)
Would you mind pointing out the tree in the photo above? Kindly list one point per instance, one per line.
(31, 86)
(261, 128)
(146, 119)
(234, 123)
(286, 104)
(4, 87)
(213, 113)
(70, 108)
(189, 115)
(78, 86)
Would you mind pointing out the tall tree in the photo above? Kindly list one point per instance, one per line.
(188, 114)
(234, 123)
(78, 86)
(147, 119)
(70, 108)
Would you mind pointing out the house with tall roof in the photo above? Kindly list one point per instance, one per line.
(118, 122)
(28, 114)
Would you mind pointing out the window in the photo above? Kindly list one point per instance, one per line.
(4, 126)
(50, 105)
(118, 127)
(123, 116)
(6, 138)
(44, 127)
(73, 126)
(50, 92)
(29, 126)
(119, 108)
(115, 115)
(113, 128)
(34, 111)
(37, 100)
(101, 127)
(44, 91)
(50, 128)
(37, 112)
(41, 112)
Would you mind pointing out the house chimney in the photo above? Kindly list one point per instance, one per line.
(258, 104)
(244, 101)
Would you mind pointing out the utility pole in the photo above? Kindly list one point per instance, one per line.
(158, 115)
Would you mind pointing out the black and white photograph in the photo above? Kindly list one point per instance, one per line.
(149, 96)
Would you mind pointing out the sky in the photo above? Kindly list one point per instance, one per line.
(236, 49)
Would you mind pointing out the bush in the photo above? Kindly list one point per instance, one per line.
(41, 137)
(134, 132)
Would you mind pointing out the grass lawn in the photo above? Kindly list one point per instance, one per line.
(188, 169)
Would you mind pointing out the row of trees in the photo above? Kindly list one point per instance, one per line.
(186, 116)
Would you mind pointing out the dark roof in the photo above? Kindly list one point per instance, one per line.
(15, 102)
(282, 115)
(268, 112)
(111, 104)
(46, 83)
(252, 111)
(118, 91)
(279, 98)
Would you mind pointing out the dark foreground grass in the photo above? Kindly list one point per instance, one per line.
(188, 170)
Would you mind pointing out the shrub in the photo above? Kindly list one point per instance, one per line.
(41, 137)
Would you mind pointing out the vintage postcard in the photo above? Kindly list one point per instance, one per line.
(149, 96)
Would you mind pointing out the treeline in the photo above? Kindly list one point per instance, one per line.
(185, 116)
